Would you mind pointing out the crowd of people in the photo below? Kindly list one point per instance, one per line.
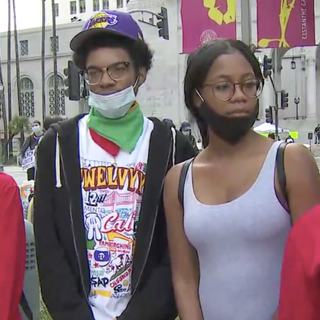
(131, 221)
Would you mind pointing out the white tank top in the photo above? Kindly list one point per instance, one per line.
(240, 245)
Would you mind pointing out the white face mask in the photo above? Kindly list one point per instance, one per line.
(114, 105)
(186, 132)
(36, 129)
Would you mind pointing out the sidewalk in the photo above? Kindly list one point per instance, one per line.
(13, 169)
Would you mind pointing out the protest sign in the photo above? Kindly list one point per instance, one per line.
(28, 159)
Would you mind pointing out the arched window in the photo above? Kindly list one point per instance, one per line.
(27, 97)
(61, 102)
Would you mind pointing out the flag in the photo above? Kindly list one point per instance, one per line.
(205, 20)
(285, 23)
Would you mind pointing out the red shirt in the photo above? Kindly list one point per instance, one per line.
(13, 253)
(300, 281)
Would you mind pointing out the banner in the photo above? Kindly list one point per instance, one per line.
(205, 20)
(285, 23)
(28, 160)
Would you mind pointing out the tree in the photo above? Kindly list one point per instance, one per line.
(3, 115)
(55, 62)
(17, 125)
(9, 72)
(43, 59)
(20, 106)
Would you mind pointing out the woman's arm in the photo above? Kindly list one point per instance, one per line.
(184, 259)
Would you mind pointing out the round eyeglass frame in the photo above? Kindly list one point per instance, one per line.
(103, 70)
(240, 84)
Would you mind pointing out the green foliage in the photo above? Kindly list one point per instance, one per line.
(18, 124)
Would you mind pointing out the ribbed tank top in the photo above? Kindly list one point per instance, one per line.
(240, 245)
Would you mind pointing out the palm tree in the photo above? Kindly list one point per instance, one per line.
(43, 59)
(4, 115)
(16, 125)
(9, 72)
(55, 62)
(20, 106)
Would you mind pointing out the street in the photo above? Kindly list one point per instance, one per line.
(17, 173)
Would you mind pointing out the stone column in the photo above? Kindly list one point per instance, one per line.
(311, 89)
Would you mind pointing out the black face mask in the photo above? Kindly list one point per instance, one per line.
(229, 129)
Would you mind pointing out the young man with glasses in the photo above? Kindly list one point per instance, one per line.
(99, 222)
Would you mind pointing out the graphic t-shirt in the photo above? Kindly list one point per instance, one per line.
(112, 191)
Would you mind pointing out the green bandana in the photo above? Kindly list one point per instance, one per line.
(124, 132)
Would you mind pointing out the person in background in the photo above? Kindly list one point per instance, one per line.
(100, 229)
(31, 143)
(228, 228)
(272, 136)
(48, 121)
(317, 134)
(300, 277)
(185, 128)
(289, 139)
(13, 255)
(169, 123)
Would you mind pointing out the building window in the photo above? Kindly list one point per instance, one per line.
(27, 97)
(73, 7)
(56, 9)
(61, 102)
(52, 44)
(82, 6)
(105, 4)
(119, 4)
(24, 47)
(96, 5)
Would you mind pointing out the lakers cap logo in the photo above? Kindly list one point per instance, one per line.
(103, 20)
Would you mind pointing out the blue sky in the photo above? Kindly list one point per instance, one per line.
(28, 14)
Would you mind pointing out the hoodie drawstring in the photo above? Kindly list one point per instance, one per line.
(58, 170)
(174, 133)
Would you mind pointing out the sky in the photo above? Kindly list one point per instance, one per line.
(28, 14)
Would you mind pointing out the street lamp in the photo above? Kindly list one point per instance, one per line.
(297, 101)
(1, 105)
(293, 64)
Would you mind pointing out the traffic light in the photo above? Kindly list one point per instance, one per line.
(163, 25)
(72, 82)
(284, 99)
(269, 115)
(266, 67)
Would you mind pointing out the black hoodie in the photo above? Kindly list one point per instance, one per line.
(60, 232)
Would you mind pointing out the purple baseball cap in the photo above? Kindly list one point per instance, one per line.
(108, 22)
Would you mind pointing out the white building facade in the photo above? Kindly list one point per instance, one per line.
(162, 94)
(66, 10)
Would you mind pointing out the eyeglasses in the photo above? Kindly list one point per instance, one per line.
(116, 72)
(224, 90)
